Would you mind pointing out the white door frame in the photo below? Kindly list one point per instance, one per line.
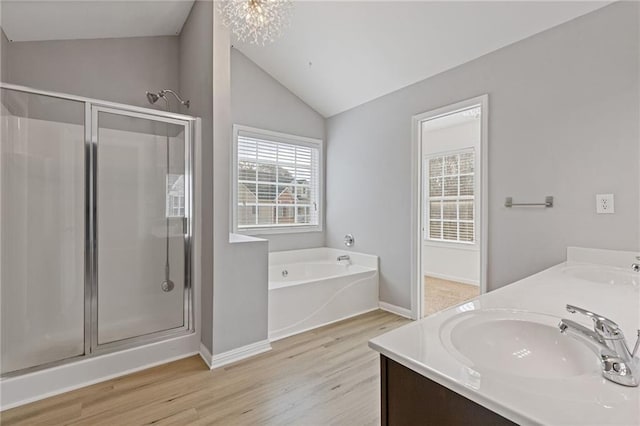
(416, 195)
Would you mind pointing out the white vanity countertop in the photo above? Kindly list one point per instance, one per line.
(580, 399)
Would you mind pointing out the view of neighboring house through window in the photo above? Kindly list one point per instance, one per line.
(175, 195)
(278, 181)
(451, 198)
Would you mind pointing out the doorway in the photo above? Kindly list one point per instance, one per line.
(450, 164)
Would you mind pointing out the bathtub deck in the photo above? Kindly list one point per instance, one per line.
(323, 376)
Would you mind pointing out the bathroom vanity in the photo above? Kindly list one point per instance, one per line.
(408, 398)
(501, 358)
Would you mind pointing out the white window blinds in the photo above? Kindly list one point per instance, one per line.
(278, 182)
(451, 198)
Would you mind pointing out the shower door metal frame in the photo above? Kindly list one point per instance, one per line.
(91, 107)
(95, 108)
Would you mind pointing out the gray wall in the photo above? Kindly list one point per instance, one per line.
(118, 70)
(240, 292)
(258, 100)
(563, 121)
(234, 275)
(4, 51)
(196, 84)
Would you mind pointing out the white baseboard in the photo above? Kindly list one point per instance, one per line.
(218, 360)
(453, 278)
(394, 309)
(30, 387)
(206, 356)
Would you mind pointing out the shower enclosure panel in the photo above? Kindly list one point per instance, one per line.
(42, 224)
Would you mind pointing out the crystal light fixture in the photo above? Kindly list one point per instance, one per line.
(256, 21)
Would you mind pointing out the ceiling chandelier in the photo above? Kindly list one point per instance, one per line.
(256, 21)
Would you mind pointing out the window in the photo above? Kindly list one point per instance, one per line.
(175, 195)
(451, 197)
(277, 182)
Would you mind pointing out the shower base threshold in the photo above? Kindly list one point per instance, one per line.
(30, 387)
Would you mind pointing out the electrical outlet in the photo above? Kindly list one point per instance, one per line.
(604, 204)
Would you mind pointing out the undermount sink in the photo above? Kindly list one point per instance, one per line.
(515, 343)
(604, 275)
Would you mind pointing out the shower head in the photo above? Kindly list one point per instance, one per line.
(153, 97)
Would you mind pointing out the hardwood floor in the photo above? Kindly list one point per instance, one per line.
(441, 294)
(321, 377)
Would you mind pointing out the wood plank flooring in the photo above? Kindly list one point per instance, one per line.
(441, 294)
(326, 376)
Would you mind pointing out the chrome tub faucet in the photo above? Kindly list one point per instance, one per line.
(343, 257)
(619, 364)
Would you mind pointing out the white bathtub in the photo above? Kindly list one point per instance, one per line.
(315, 289)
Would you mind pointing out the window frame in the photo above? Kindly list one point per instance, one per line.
(281, 138)
(170, 207)
(426, 238)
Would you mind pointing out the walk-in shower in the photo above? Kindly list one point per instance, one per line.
(95, 197)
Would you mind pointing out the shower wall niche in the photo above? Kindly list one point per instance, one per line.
(95, 204)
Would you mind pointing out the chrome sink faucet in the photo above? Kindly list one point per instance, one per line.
(619, 364)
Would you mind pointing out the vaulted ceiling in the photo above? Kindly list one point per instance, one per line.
(336, 54)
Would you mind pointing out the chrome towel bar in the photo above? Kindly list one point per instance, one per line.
(548, 202)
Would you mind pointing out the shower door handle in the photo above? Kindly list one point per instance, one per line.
(184, 225)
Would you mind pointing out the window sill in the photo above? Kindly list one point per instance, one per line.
(277, 231)
(239, 239)
(452, 245)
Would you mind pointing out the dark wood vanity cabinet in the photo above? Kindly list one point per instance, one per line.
(410, 399)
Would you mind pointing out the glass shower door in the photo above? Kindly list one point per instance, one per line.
(42, 229)
(141, 205)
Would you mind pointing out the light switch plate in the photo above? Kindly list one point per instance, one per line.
(604, 204)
